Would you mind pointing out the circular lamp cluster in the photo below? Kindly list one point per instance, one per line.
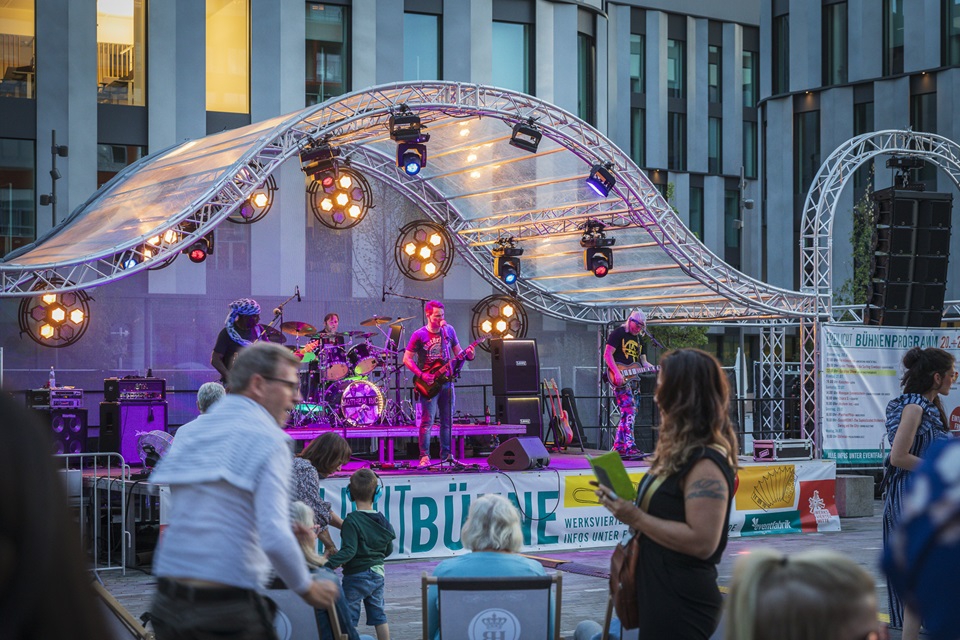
(340, 200)
(257, 205)
(55, 319)
(424, 251)
(498, 316)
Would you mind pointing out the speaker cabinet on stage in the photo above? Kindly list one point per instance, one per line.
(122, 422)
(523, 410)
(68, 427)
(519, 454)
(516, 367)
(911, 250)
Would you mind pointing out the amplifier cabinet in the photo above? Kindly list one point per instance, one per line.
(68, 427)
(523, 410)
(121, 423)
(515, 366)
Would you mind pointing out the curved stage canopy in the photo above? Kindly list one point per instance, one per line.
(475, 183)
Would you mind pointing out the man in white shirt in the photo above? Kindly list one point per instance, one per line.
(229, 472)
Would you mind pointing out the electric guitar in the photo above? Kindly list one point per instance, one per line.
(559, 422)
(630, 371)
(443, 372)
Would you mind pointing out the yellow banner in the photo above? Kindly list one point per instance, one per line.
(766, 487)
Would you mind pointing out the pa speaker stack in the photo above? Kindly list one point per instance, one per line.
(520, 454)
(132, 406)
(911, 248)
(516, 383)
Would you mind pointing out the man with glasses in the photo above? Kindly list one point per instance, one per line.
(626, 353)
(229, 472)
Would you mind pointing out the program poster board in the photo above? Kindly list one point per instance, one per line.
(861, 373)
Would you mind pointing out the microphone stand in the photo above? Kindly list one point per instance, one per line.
(422, 301)
(396, 354)
(278, 313)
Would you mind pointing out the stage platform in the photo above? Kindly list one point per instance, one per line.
(386, 434)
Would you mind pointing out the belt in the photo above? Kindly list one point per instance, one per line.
(181, 591)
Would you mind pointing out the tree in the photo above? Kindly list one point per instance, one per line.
(855, 289)
(675, 336)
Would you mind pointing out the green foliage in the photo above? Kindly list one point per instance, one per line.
(675, 336)
(854, 290)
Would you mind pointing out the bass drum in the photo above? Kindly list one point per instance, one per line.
(358, 402)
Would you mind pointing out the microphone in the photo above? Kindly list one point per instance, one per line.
(443, 323)
(297, 291)
(383, 295)
(276, 312)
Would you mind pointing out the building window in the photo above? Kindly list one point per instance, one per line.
(696, 211)
(111, 158)
(781, 54)
(923, 117)
(751, 60)
(638, 136)
(835, 43)
(731, 227)
(714, 74)
(328, 54)
(749, 149)
(228, 56)
(676, 69)
(638, 61)
(951, 32)
(17, 50)
(892, 37)
(512, 59)
(121, 40)
(714, 145)
(676, 141)
(18, 220)
(806, 149)
(586, 78)
(421, 46)
(862, 123)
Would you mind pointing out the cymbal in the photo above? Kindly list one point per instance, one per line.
(401, 320)
(360, 334)
(297, 328)
(375, 320)
(269, 334)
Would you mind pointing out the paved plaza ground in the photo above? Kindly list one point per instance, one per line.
(584, 597)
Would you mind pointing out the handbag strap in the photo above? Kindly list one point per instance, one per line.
(648, 487)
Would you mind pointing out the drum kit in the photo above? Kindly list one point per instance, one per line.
(346, 377)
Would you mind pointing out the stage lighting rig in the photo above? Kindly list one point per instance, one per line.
(526, 136)
(506, 260)
(904, 165)
(598, 251)
(319, 158)
(408, 132)
(601, 179)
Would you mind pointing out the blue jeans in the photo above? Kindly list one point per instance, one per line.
(365, 587)
(443, 402)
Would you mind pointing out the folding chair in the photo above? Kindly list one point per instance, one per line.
(296, 619)
(508, 608)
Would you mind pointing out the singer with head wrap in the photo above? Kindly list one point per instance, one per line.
(241, 328)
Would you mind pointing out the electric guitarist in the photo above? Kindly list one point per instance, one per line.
(626, 347)
(429, 348)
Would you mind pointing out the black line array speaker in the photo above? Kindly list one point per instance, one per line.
(68, 427)
(122, 422)
(516, 367)
(519, 454)
(523, 410)
(911, 250)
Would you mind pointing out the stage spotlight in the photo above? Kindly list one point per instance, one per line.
(55, 320)
(599, 261)
(319, 158)
(526, 136)
(405, 126)
(411, 157)
(601, 179)
(257, 205)
(506, 260)
(598, 252)
(498, 316)
(423, 250)
(341, 201)
(199, 250)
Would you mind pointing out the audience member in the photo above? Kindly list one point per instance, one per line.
(322, 458)
(229, 519)
(922, 555)
(365, 540)
(812, 594)
(915, 420)
(209, 393)
(492, 533)
(43, 590)
(682, 525)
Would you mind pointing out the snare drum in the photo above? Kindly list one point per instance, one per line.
(358, 402)
(363, 360)
(333, 361)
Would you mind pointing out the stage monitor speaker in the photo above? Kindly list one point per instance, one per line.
(523, 410)
(68, 428)
(516, 367)
(122, 422)
(520, 454)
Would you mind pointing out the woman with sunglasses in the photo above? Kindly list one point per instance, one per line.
(915, 420)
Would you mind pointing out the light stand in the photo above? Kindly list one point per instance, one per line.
(51, 199)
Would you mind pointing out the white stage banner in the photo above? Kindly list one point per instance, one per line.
(861, 373)
(560, 510)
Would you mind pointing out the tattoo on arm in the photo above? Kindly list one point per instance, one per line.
(712, 489)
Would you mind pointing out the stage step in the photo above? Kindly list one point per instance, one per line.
(854, 496)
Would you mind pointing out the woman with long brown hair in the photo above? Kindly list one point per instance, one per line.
(322, 457)
(683, 504)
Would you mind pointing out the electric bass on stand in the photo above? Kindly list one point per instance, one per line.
(443, 371)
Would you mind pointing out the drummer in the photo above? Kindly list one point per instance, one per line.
(329, 335)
